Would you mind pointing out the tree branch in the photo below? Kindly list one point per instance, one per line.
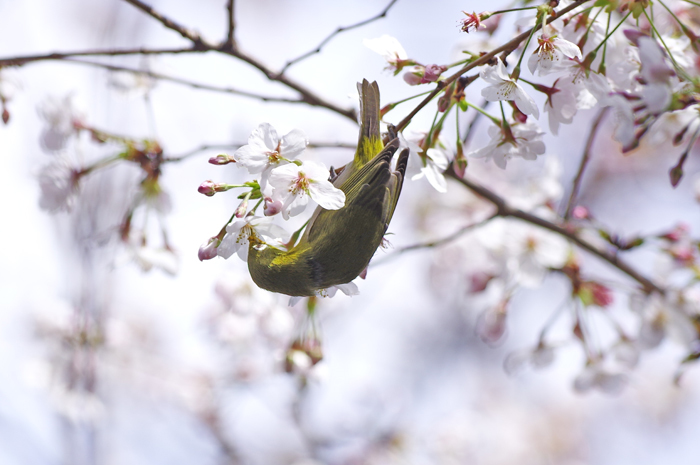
(584, 162)
(22, 60)
(438, 242)
(505, 211)
(185, 82)
(339, 30)
(230, 38)
(229, 49)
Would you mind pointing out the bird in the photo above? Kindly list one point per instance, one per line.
(337, 245)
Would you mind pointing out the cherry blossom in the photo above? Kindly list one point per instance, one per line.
(503, 87)
(239, 234)
(59, 185)
(61, 118)
(390, 48)
(567, 97)
(594, 376)
(516, 140)
(266, 151)
(656, 73)
(551, 53)
(429, 164)
(293, 185)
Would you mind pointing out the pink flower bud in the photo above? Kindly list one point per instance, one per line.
(242, 209)
(5, 116)
(207, 188)
(491, 326)
(412, 79)
(432, 73)
(580, 213)
(222, 159)
(272, 207)
(208, 251)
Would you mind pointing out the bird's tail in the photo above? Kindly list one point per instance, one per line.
(370, 142)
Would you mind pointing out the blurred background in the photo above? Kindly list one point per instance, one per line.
(114, 353)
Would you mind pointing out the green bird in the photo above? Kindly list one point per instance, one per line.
(337, 245)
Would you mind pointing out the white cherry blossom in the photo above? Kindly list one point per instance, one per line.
(390, 48)
(238, 235)
(519, 140)
(503, 87)
(429, 165)
(570, 96)
(551, 54)
(61, 117)
(59, 185)
(293, 185)
(266, 151)
(656, 73)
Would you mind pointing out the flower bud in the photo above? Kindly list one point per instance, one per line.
(272, 207)
(412, 78)
(222, 159)
(207, 188)
(580, 213)
(432, 73)
(208, 251)
(242, 209)
(5, 116)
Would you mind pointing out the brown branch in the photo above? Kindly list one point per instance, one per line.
(436, 243)
(584, 162)
(230, 38)
(339, 30)
(505, 211)
(482, 60)
(185, 82)
(202, 148)
(201, 44)
(22, 60)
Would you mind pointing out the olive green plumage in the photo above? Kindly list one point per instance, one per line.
(337, 245)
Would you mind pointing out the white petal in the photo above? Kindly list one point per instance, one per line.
(525, 103)
(267, 134)
(567, 48)
(293, 144)
(532, 62)
(348, 288)
(435, 177)
(327, 195)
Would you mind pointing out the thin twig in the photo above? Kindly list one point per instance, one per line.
(205, 147)
(22, 60)
(201, 44)
(504, 210)
(436, 243)
(230, 37)
(185, 82)
(584, 162)
(339, 30)
(482, 60)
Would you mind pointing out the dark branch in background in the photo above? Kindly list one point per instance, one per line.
(505, 211)
(202, 148)
(340, 29)
(22, 60)
(438, 242)
(185, 82)
(230, 37)
(584, 162)
(482, 60)
(231, 49)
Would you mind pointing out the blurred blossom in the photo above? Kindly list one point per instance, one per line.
(131, 82)
(594, 376)
(59, 182)
(541, 356)
(61, 118)
(390, 48)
